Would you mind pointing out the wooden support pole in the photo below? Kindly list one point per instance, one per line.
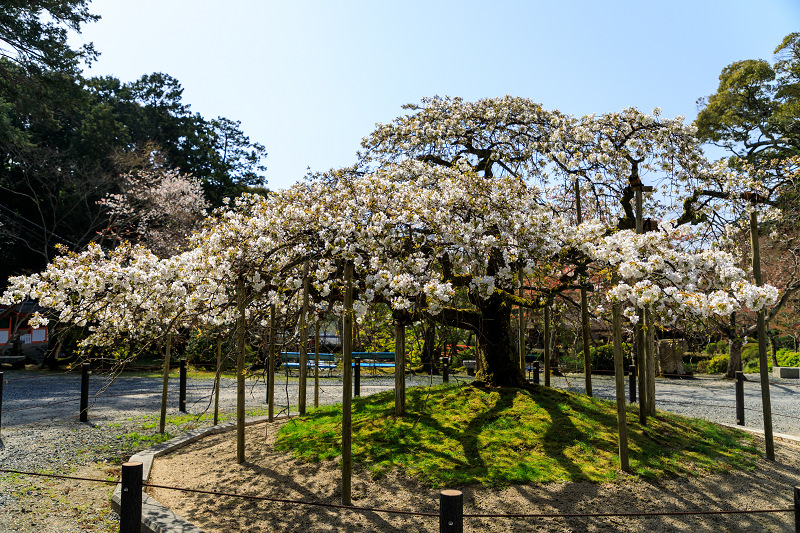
(1, 400)
(271, 364)
(536, 372)
(521, 323)
(165, 385)
(316, 363)
(301, 401)
(762, 342)
(399, 368)
(632, 386)
(641, 359)
(241, 350)
(619, 374)
(130, 513)
(547, 344)
(347, 385)
(586, 331)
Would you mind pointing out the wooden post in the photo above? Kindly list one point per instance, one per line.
(347, 384)
(399, 368)
(521, 324)
(241, 350)
(271, 369)
(740, 397)
(316, 363)
(586, 331)
(1, 400)
(536, 372)
(130, 506)
(301, 401)
(182, 387)
(84, 406)
(797, 509)
(762, 342)
(216, 379)
(451, 511)
(446, 369)
(622, 423)
(165, 385)
(547, 344)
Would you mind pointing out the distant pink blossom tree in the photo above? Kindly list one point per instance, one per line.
(157, 207)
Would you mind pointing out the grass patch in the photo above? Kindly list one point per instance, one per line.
(459, 434)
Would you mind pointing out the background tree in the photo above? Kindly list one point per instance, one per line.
(34, 34)
(755, 117)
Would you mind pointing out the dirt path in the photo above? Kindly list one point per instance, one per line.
(210, 464)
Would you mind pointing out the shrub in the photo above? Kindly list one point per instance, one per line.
(603, 356)
(714, 348)
(787, 357)
(717, 364)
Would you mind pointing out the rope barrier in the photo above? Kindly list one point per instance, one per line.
(41, 474)
(607, 515)
(9, 380)
(410, 513)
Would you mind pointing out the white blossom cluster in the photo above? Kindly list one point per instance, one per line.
(418, 231)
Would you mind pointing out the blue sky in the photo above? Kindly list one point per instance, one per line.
(308, 79)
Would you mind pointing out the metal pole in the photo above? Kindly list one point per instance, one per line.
(130, 515)
(357, 378)
(84, 407)
(182, 389)
(740, 397)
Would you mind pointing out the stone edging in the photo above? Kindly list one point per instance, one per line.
(155, 517)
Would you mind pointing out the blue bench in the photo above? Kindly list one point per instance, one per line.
(375, 360)
(291, 360)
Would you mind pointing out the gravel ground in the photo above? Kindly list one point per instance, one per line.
(40, 430)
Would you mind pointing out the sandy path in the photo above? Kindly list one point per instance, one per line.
(210, 464)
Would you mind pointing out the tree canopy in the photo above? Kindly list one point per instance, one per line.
(754, 113)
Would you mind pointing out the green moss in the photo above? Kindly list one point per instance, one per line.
(459, 434)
